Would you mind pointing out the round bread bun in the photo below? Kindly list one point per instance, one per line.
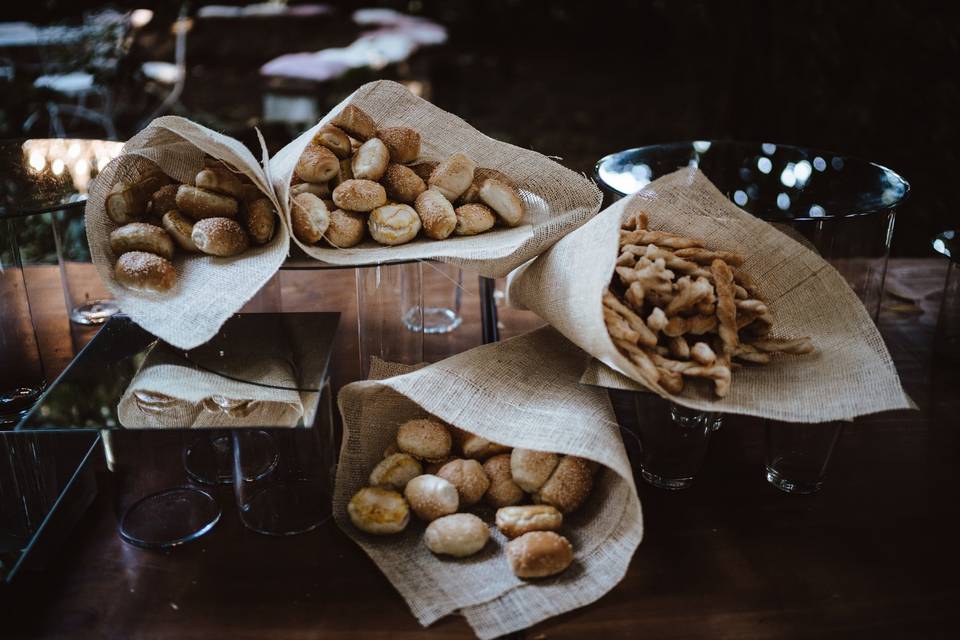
(378, 511)
(371, 160)
(163, 199)
(321, 190)
(568, 486)
(200, 204)
(453, 176)
(140, 236)
(539, 554)
(473, 219)
(469, 479)
(473, 446)
(221, 237)
(394, 224)
(180, 228)
(503, 491)
(434, 466)
(219, 180)
(359, 195)
(424, 169)
(436, 214)
(346, 173)
(395, 471)
(317, 164)
(355, 122)
(503, 199)
(402, 184)
(516, 521)
(424, 439)
(347, 228)
(431, 497)
(472, 194)
(335, 139)
(309, 218)
(142, 271)
(531, 469)
(402, 142)
(459, 535)
(259, 219)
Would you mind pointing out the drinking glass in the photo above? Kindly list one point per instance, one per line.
(389, 301)
(797, 454)
(438, 308)
(88, 301)
(947, 341)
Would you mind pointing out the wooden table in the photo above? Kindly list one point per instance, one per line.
(873, 555)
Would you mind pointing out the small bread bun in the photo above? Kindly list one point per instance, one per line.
(321, 190)
(459, 535)
(469, 479)
(346, 173)
(140, 236)
(453, 176)
(503, 199)
(394, 224)
(259, 219)
(143, 271)
(424, 169)
(335, 139)
(431, 497)
(434, 466)
(200, 204)
(309, 217)
(472, 194)
(402, 184)
(371, 160)
(163, 199)
(391, 449)
(539, 554)
(250, 191)
(473, 219)
(220, 237)
(436, 214)
(531, 469)
(395, 471)
(516, 521)
(359, 195)
(378, 511)
(355, 122)
(503, 491)
(473, 446)
(180, 228)
(220, 180)
(425, 439)
(125, 203)
(568, 486)
(317, 164)
(403, 143)
(347, 228)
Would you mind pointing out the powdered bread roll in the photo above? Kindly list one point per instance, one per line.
(309, 217)
(472, 194)
(453, 176)
(371, 160)
(431, 497)
(346, 229)
(516, 521)
(378, 511)
(473, 446)
(335, 139)
(317, 164)
(459, 535)
(355, 122)
(503, 199)
(503, 491)
(531, 469)
(140, 236)
(359, 195)
(424, 169)
(395, 471)
(568, 486)
(163, 199)
(180, 228)
(220, 237)
(394, 224)
(259, 219)
(473, 219)
(402, 184)
(143, 271)
(219, 180)
(436, 214)
(469, 479)
(200, 204)
(402, 142)
(539, 554)
(425, 439)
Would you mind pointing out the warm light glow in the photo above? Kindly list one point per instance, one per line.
(37, 161)
(140, 18)
(57, 167)
(81, 159)
(415, 87)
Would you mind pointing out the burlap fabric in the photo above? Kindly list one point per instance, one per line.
(851, 373)
(525, 393)
(209, 289)
(556, 199)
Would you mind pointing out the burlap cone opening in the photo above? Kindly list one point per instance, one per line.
(524, 393)
(851, 373)
(556, 199)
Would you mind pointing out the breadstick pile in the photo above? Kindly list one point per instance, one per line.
(420, 473)
(678, 309)
(353, 178)
(221, 214)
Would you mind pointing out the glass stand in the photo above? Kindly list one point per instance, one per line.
(169, 518)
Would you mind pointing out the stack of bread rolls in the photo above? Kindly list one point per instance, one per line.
(437, 472)
(221, 214)
(353, 179)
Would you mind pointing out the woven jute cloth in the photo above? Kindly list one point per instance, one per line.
(851, 373)
(522, 392)
(556, 199)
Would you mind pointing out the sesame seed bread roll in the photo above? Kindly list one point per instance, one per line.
(568, 485)
(347, 228)
(221, 237)
(539, 554)
(436, 214)
(335, 139)
(370, 160)
(163, 199)
(356, 123)
(453, 176)
(378, 511)
(469, 479)
(472, 194)
(531, 469)
(424, 169)
(317, 164)
(431, 497)
(140, 236)
(473, 219)
(395, 471)
(180, 228)
(513, 522)
(219, 180)
(319, 189)
(503, 199)
(346, 173)
(473, 446)
(128, 201)
(309, 217)
(402, 184)
(259, 219)
(359, 195)
(503, 491)
(402, 142)
(458, 535)
(394, 224)
(424, 439)
(200, 204)
(147, 272)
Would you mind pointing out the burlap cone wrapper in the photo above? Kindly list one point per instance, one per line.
(209, 289)
(556, 200)
(851, 373)
(524, 393)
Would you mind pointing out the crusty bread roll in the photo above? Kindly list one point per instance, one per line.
(503, 199)
(424, 169)
(317, 164)
(309, 218)
(220, 237)
(347, 228)
(568, 485)
(394, 224)
(200, 204)
(468, 477)
(128, 201)
(436, 214)
(431, 497)
(219, 180)
(180, 228)
(434, 466)
(346, 173)
(473, 446)
(472, 194)
(459, 535)
(503, 491)
(424, 439)
(473, 219)
(402, 142)
(391, 449)
(163, 199)
(378, 511)
(359, 195)
(453, 176)
(395, 471)
(140, 236)
(531, 469)
(539, 554)
(516, 521)
(355, 122)
(335, 139)
(143, 271)
(402, 184)
(259, 219)
(371, 160)
(250, 191)
(321, 190)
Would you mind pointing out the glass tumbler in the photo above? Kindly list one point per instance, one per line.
(389, 302)
(438, 308)
(88, 301)
(797, 454)
(947, 341)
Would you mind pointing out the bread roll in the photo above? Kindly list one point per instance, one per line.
(472, 194)
(568, 485)
(531, 469)
(378, 511)
(200, 204)
(259, 219)
(453, 176)
(503, 491)
(424, 169)
(140, 236)
(425, 439)
(347, 228)
(250, 191)
(434, 466)
(355, 122)
(473, 219)
(473, 446)
(391, 449)
(459, 535)
(539, 554)
(309, 218)
(431, 497)
(335, 139)
(180, 228)
(143, 271)
(436, 214)
(128, 201)
(321, 190)
(402, 184)
(394, 224)
(371, 160)
(163, 199)
(469, 479)
(346, 173)
(395, 471)
(220, 237)
(503, 199)
(516, 521)
(317, 164)
(220, 180)
(402, 142)
(359, 195)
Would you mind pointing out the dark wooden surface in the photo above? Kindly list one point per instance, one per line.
(873, 555)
